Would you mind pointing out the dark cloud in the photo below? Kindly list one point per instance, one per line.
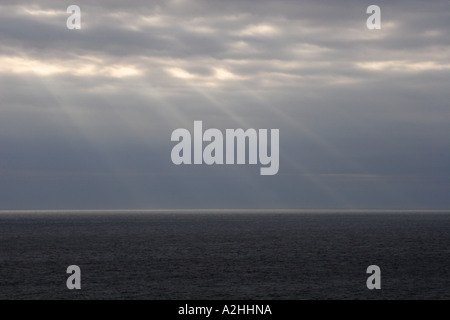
(86, 115)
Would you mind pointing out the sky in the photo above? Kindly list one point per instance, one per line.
(86, 115)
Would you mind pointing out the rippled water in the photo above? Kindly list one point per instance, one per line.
(225, 256)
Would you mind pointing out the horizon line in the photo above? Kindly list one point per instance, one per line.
(218, 210)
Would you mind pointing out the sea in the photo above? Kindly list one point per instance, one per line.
(223, 255)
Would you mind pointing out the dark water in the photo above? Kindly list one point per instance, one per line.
(225, 256)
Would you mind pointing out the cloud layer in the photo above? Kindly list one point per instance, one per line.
(86, 115)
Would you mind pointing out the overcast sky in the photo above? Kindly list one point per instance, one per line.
(86, 115)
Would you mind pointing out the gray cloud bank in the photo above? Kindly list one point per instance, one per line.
(86, 115)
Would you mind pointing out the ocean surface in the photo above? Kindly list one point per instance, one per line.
(220, 255)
